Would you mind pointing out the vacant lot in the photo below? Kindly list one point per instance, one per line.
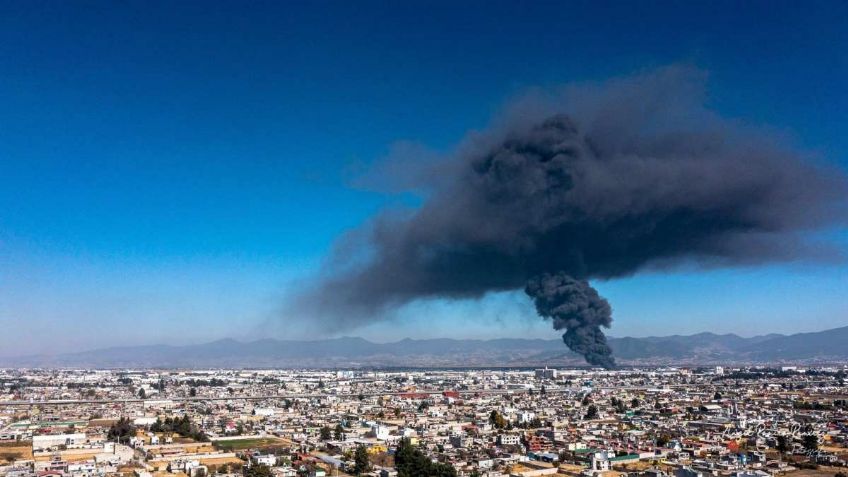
(12, 451)
(242, 444)
(822, 471)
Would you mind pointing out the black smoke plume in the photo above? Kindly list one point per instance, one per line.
(598, 183)
(577, 307)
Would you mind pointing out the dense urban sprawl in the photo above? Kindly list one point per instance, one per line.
(734, 422)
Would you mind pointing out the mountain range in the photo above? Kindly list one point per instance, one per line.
(830, 346)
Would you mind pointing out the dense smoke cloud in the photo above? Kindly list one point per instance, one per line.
(575, 306)
(597, 183)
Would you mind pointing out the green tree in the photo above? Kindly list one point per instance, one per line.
(142, 394)
(338, 432)
(360, 459)
(619, 407)
(810, 442)
(258, 470)
(411, 462)
(326, 433)
(592, 412)
(192, 392)
(121, 431)
(496, 419)
(782, 444)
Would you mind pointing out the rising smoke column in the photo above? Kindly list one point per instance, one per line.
(616, 178)
(575, 306)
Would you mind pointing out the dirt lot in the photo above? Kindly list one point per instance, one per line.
(12, 451)
(242, 444)
(822, 471)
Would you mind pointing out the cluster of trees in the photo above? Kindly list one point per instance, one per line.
(337, 433)
(411, 462)
(618, 405)
(121, 431)
(182, 426)
(810, 442)
(258, 470)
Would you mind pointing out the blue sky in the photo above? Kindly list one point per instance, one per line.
(170, 171)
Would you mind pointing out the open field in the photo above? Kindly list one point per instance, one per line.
(242, 444)
(13, 451)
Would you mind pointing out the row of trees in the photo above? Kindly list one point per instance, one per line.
(123, 429)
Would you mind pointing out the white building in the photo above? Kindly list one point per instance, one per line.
(270, 460)
(601, 460)
(49, 441)
(380, 432)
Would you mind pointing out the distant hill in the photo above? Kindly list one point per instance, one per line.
(701, 348)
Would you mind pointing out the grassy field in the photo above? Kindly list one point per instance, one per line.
(242, 444)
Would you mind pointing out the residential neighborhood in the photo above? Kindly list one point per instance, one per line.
(681, 422)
